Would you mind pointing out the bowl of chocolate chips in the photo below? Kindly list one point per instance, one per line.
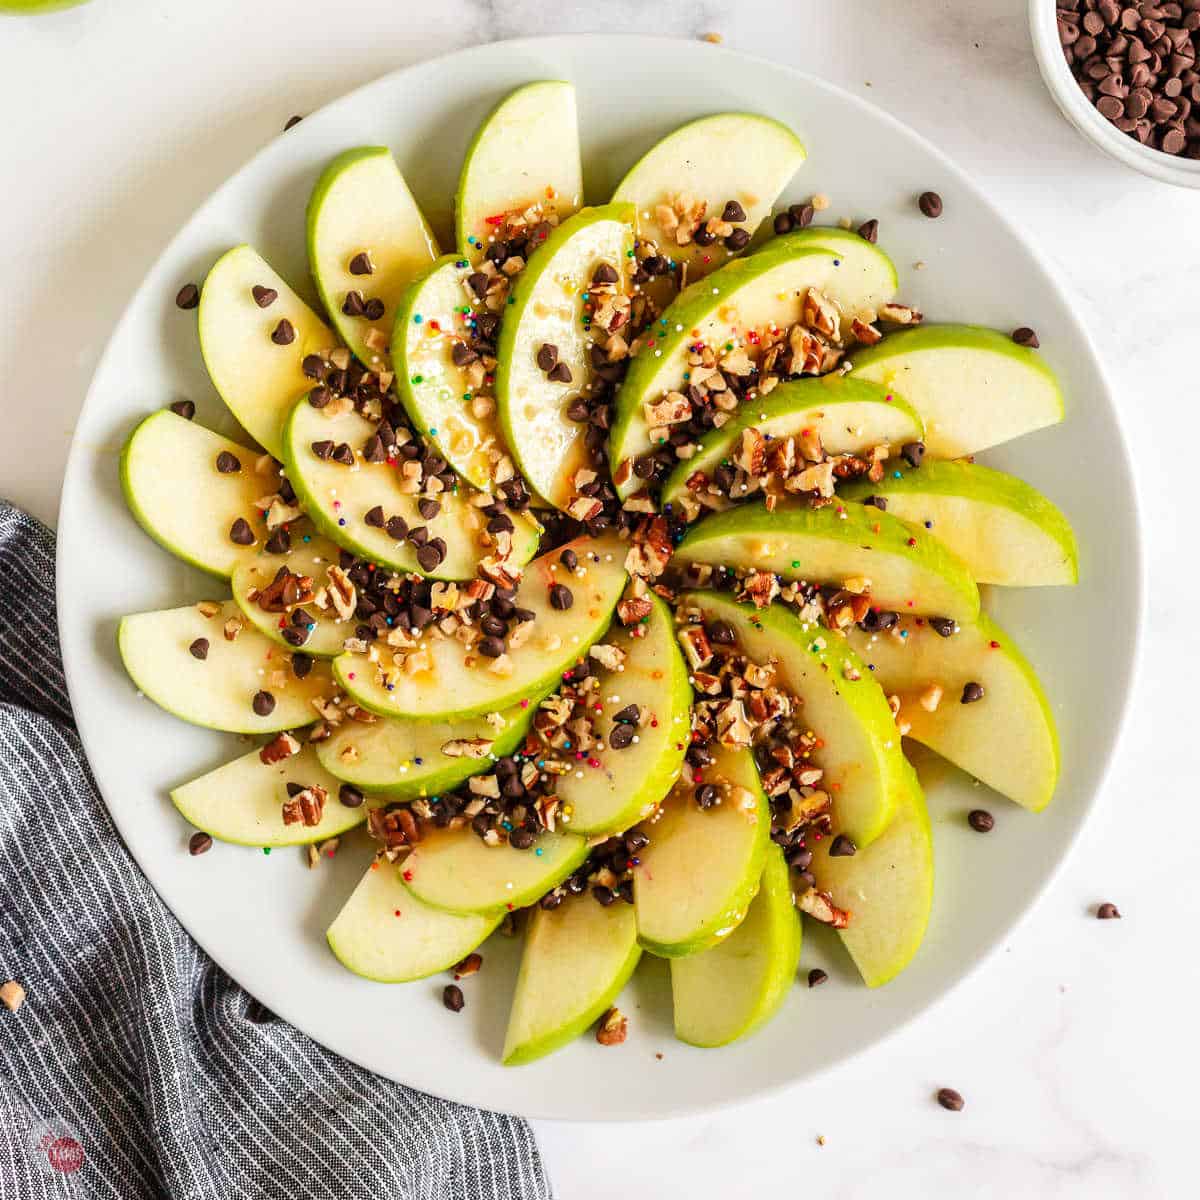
(1126, 76)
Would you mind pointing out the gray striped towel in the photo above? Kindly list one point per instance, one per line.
(137, 1068)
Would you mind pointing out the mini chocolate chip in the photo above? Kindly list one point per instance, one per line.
(569, 559)
(323, 450)
(374, 517)
(733, 212)
(1026, 337)
(522, 839)
(199, 649)
(547, 356)
(739, 239)
(452, 997)
(930, 203)
(950, 1099)
(561, 597)
(280, 542)
(302, 665)
(782, 223)
(656, 264)
(350, 796)
(352, 305)
(184, 408)
(263, 704)
(284, 334)
(319, 397)
(869, 230)
(228, 463)
(802, 215)
(878, 502)
(878, 620)
(313, 366)
(1108, 912)
(707, 795)
(429, 557)
(722, 633)
(491, 647)
(478, 283)
(943, 626)
(816, 977)
(188, 296)
(461, 354)
(799, 857)
(604, 895)
(294, 635)
(429, 509)
(559, 373)
(360, 264)
(703, 236)
(264, 297)
(397, 528)
(912, 453)
(621, 737)
(629, 715)
(291, 123)
(240, 533)
(980, 820)
(605, 273)
(842, 847)
(199, 843)
(971, 693)
(343, 454)
(373, 310)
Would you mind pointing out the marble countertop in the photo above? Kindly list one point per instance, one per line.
(1076, 1045)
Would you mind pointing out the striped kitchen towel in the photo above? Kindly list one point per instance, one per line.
(135, 1067)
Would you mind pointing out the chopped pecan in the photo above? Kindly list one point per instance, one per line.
(611, 658)
(613, 1028)
(820, 906)
(631, 611)
(696, 646)
(475, 747)
(342, 592)
(279, 748)
(306, 806)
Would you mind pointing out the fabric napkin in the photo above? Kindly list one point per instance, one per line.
(136, 1068)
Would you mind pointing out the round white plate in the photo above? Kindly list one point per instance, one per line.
(263, 918)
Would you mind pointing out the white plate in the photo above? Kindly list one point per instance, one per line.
(263, 918)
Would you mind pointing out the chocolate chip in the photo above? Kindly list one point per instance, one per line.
(228, 463)
(350, 796)
(739, 239)
(491, 647)
(559, 373)
(604, 895)
(360, 264)
(629, 715)
(263, 704)
(547, 356)
(343, 454)
(782, 223)
(912, 453)
(878, 502)
(621, 737)
(322, 450)
(656, 264)
(319, 397)
(930, 203)
(184, 408)
(264, 297)
(721, 632)
(943, 626)
(522, 839)
(429, 557)
(280, 542)
(373, 310)
(816, 977)
(802, 215)
(291, 123)
(799, 857)
(569, 559)
(707, 795)
(733, 212)
(397, 528)
(374, 517)
(561, 597)
(950, 1099)
(1024, 336)
(605, 273)
(981, 820)
(842, 847)
(199, 843)
(869, 230)
(240, 533)
(302, 665)
(452, 997)
(188, 296)
(877, 620)
(429, 509)
(199, 649)
(284, 334)
(418, 536)
(352, 305)
(1108, 912)
(971, 693)
(703, 237)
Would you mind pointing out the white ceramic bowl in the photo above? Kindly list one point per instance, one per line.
(1079, 110)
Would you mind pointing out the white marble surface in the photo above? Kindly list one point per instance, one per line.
(1076, 1047)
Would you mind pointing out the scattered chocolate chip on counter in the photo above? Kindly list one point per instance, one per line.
(188, 296)
(816, 977)
(930, 203)
(184, 408)
(199, 843)
(869, 231)
(292, 122)
(452, 997)
(1024, 336)
(1108, 912)
(980, 820)
(949, 1099)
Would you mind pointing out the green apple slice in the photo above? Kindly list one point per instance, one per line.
(455, 870)
(1004, 530)
(728, 156)
(525, 153)
(861, 754)
(546, 307)
(1007, 739)
(973, 387)
(908, 569)
(765, 288)
(386, 934)
(310, 558)
(242, 802)
(847, 415)
(457, 682)
(886, 887)
(438, 395)
(258, 379)
(361, 205)
(575, 961)
(702, 867)
(628, 783)
(733, 989)
(172, 486)
(338, 498)
(217, 691)
(404, 759)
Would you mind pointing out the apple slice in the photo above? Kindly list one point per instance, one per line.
(767, 288)
(254, 367)
(439, 395)
(525, 153)
(1006, 739)
(160, 651)
(848, 416)
(575, 962)
(458, 682)
(312, 558)
(338, 498)
(1004, 530)
(733, 989)
(886, 887)
(242, 802)
(734, 156)
(907, 569)
(386, 934)
(366, 236)
(973, 387)
(172, 485)
(627, 783)
(701, 869)
(457, 871)
(860, 754)
(404, 759)
(546, 308)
